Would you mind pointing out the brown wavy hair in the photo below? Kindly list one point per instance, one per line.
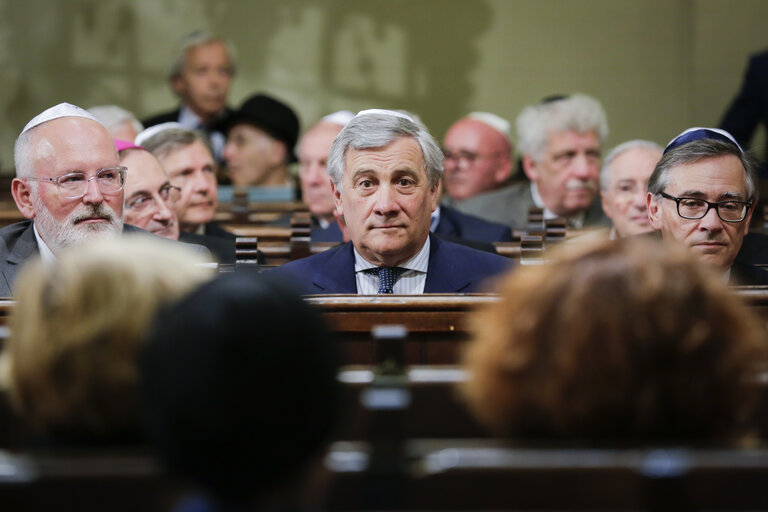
(624, 340)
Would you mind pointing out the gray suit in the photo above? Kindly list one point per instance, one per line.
(509, 205)
(18, 244)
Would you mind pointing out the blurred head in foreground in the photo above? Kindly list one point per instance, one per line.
(240, 386)
(623, 341)
(78, 325)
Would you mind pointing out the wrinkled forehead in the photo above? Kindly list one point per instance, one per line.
(403, 153)
(72, 143)
(142, 167)
(713, 176)
(636, 163)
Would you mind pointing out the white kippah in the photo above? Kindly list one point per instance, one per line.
(341, 118)
(379, 111)
(150, 132)
(499, 124)
(60, 110)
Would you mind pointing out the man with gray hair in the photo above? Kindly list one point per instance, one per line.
(702, 194)
(385, 171)
(623, 184)
(560, 139)
(200, 75)
(69, 185)
(187, 157)
(120, 123)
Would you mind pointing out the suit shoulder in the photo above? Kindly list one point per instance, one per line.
(464, 255)
(309, 263)
(163, 117)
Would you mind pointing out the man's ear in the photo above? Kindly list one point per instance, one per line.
(745, 223)
(178, 86)
(654, 210)
(434, 196)
(20, 190)
(337, 199)
(529, 168)
(607, 206)
(503, 171)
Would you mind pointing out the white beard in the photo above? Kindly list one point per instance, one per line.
(60, 234)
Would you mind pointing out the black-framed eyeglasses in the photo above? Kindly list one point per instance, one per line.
(694, 208)
(169, 194)
(73, 185)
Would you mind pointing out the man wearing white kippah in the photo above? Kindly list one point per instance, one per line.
(385, 170)
(69, 184)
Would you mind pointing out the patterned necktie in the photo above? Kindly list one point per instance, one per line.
(387, 277)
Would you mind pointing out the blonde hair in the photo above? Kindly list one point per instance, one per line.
(624, 340)
(78, 324)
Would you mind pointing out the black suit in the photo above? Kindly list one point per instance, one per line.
(750, 106)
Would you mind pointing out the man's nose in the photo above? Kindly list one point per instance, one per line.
(201, 183)
(638, 199)
(386, 200)
(584, 168)
(710, 221)
(162, 212)
(92, 194)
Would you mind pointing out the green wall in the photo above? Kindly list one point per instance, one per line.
(658, 66)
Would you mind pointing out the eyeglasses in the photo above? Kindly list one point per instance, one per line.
(146, 203)
(467, 156)
(73, 185)
(693, 208)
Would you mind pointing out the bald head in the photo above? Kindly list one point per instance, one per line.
(313, 151)
(477, 159)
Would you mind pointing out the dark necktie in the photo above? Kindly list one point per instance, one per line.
(387, 277)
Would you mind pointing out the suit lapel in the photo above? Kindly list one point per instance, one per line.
(443, 274)
(23, 249)
(337, 273)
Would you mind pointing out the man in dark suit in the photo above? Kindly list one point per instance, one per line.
(385, 171)
(702, 193)
(69, 184)
(750, 106)
(200, 75)
(150, 199)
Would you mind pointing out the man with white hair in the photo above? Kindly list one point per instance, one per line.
(120, 123)
(560, 139)
(385, 171)
(69, 185)
(623, 183)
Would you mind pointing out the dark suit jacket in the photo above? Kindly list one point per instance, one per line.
(456, 224)
(222, 249)
(17, 245)
(747, 275)
(750, 106)
(172, 117)
(452, 268)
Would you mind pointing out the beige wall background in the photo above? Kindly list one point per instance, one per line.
(658, 66)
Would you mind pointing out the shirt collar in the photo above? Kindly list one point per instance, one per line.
(418, 262)
(46, 253)
(434, 219)
(189, 119)
(576, 221)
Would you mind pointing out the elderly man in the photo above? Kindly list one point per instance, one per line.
(261, 136)
(120, 123)
(702, 193)
(313, 150)
(200, 75)
(623, 185)
(560, 140)
(385, 171)
(478, 158)
(69, 184)
(150, 200)
(187, 157)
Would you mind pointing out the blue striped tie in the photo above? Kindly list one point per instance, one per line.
(387, 277)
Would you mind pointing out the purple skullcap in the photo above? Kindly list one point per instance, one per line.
(122, 145)
(699, 133)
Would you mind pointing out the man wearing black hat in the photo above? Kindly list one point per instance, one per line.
(261, 136)
(702, 193)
